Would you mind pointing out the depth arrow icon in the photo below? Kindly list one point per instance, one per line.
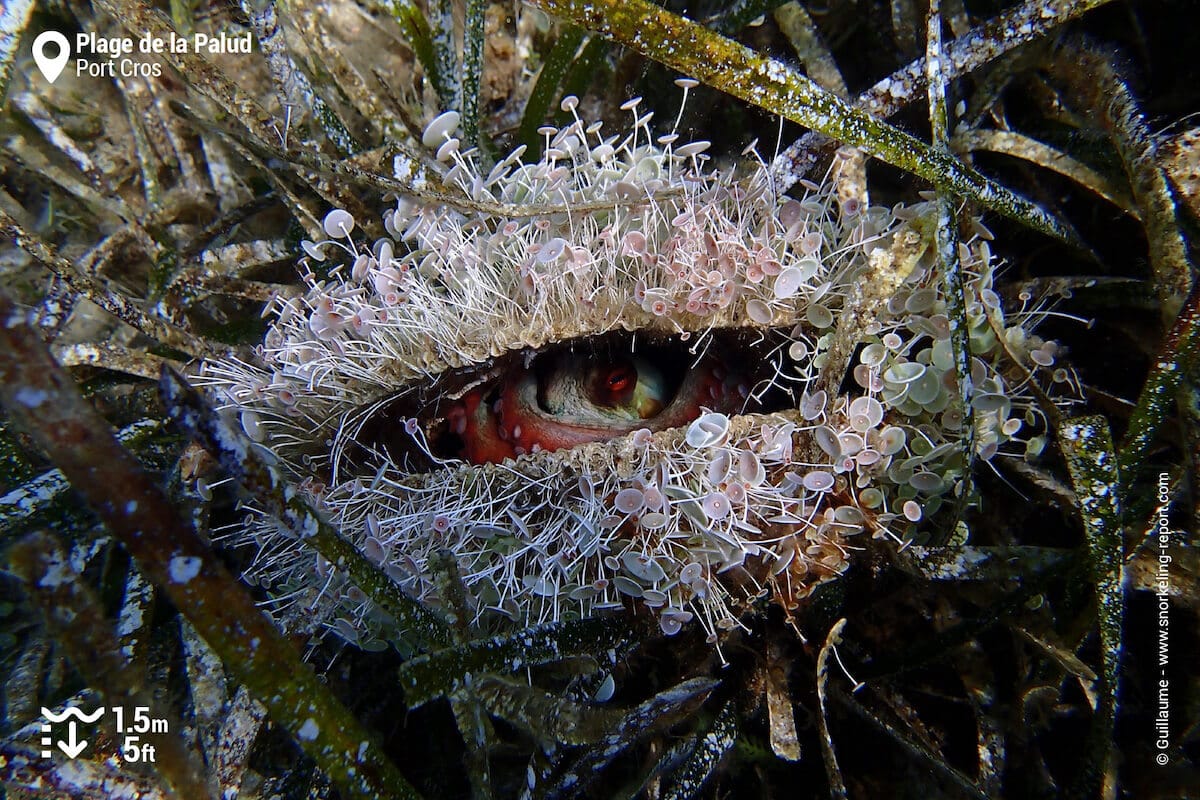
(72, 747)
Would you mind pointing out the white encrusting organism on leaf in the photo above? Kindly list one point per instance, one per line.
(491, 335)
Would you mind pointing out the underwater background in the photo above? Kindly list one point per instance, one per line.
(594, 399)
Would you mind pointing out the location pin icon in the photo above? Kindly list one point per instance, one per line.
(51, 66)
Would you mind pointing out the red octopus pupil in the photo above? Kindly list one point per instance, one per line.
(620, 379)
(614, 384)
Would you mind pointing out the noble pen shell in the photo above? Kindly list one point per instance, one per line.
(626, 231)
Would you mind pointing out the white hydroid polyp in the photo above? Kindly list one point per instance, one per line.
(611, 233)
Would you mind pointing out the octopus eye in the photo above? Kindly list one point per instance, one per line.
(588, 390)
(613, 384)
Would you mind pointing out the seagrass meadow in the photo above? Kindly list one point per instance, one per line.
(434, 399)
